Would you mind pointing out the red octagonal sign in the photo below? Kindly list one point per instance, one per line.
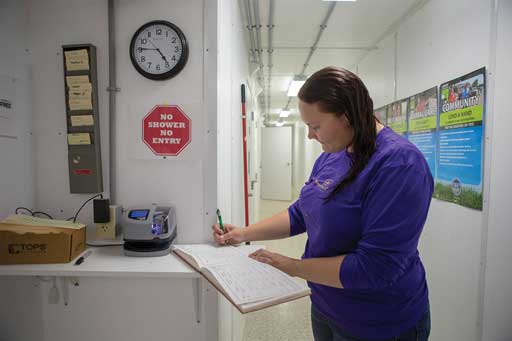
(166, 130)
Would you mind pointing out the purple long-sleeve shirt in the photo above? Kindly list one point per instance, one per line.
(376, 221)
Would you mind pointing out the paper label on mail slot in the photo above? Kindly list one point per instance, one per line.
(77, 60)
(71, 80)
(82, 120)
(80, 94)
(79, 138)
(86, 86)
(76, 53)
(80, 104)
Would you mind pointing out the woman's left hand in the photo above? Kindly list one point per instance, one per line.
(283, 263)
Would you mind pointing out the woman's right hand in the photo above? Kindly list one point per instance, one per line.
(231, 235)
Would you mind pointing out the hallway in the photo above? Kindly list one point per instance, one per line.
(289, 321)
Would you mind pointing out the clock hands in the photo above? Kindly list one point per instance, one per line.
(144, 48)
(156, 48)
(170, 46)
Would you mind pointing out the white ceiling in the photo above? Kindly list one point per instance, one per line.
(352, 29)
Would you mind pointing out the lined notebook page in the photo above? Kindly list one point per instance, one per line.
(207, 254)
(244, 279)
(249, 281)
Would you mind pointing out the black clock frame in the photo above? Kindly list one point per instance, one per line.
(181, 63)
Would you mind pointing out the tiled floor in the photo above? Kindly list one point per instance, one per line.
(285, 322)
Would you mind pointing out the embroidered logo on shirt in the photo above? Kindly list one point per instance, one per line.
(324, 186)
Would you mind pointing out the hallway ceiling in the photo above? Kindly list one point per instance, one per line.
(352, 30)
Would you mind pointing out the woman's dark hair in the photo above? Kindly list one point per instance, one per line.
(340, 92)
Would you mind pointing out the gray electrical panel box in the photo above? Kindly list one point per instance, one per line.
(82, 117)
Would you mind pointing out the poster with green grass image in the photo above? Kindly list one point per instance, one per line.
(460, 140)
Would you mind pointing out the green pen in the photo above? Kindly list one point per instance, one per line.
(220, 221)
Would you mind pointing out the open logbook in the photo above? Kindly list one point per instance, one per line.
(248, 284)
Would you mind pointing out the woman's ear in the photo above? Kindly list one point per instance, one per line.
(345, 120)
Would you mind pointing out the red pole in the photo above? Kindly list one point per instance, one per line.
(244, 135)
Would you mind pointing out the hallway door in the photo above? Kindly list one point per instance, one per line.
(276, 163)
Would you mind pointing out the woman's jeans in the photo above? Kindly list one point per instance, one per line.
(326, 330)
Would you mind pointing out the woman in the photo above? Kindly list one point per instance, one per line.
(363, 209)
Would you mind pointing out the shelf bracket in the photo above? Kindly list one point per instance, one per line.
(197, 284)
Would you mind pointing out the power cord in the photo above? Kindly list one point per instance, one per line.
(76, 215)
(34, 213)
(25, 209)
(43, 213)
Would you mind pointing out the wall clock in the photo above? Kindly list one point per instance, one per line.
(159, 50)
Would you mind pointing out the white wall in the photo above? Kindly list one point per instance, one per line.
(426, 57)
(188, 181)
(377, 72)
(51, 24)
(233, 70)
(101, 309)
(141, 177)
(497, 308)
(256, 125)
(252, 152)
(437, 44)
(16, 154)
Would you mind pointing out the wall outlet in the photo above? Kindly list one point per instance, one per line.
(111, 229)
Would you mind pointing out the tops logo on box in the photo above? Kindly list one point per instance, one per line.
(5, 103)
(28, 248)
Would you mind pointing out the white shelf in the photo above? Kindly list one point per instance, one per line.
(107, 261)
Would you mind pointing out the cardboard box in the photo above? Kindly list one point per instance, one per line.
(30, 240)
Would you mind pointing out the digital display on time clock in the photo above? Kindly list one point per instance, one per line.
(138, 214)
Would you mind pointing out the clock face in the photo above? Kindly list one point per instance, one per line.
(159, 50)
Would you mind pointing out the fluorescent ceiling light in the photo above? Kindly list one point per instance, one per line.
(284, 113)
(295, 85)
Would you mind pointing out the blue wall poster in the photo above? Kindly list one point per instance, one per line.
(422, 123)
(460, 140)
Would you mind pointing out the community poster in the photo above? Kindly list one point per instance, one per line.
(460, 146)
(380, 113)
(422, 123)
(396, 114)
